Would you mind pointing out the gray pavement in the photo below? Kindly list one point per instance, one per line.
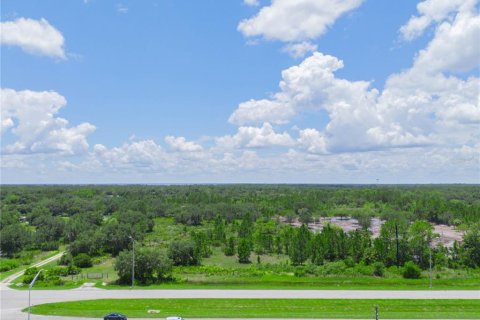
(13, 301)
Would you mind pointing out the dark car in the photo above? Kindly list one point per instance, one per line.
(115, 316)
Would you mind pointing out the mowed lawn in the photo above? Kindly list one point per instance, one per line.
(267, 308)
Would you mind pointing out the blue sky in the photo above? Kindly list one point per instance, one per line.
(189, 91)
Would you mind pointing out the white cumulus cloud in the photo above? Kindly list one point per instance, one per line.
(433, 11)
(298, 20)
(31, 117)
(253, 137)
(182, 145)
(423, 106)
(33, 36)
(252, 3)
(299, 50)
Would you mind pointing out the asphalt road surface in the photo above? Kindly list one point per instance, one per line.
(13, 301)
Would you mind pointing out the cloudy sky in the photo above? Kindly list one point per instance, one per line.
(252, 91)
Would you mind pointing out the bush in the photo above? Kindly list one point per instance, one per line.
(411, 271)
(83, 260)
(363, 269)
(336, 267)
(57, 271)
(378, 269)
(229, 249)
(183, 253)
(349, 262)
(300, 271)
(8, 264)
(244, 250)
(66, 259)
(30, 274)
(49, 246)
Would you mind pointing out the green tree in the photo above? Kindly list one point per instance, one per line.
(82, 260)
(202, 244)
(317, 249)
(183, 253)
(305, 216)
(246, 227)
(471, 247)
(299, 251)
(229, 249)
(244, 250)
(116, 237)
(14, 238)
(219, 230)
(420, 234)
(386, 244)
(151, 266)
(263, 237)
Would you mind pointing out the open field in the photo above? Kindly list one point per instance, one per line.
(333, 283)
(268, 308)
(220, 272)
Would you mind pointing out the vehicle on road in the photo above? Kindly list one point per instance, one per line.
(115, 316)
(174, 318)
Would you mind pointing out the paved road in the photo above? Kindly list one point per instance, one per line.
(15, 300)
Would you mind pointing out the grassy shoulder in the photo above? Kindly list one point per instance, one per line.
(267, 308)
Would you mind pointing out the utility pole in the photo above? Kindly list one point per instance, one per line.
(133, 261)
(396, 239)
(430, 261)
(30, 290)
(376, 312)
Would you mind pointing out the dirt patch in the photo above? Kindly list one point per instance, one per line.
(447, 235)
(347, 224)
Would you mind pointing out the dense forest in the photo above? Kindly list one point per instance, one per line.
(240, 220)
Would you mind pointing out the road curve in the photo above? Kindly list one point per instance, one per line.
(13, 301)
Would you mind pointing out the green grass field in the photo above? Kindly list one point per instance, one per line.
(267, 308)
(331, 283)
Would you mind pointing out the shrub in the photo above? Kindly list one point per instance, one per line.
(49, 246)
(378, 269)
(8, 264)
(300, 271)
(30, 274)
(244, 250)
(183, 253)
(82, 260)
(57, 271)
(349, 262)
(71, 269)
(411, 271)
(229, 249)
(363, 269)
(66, 259)
(337, 267)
